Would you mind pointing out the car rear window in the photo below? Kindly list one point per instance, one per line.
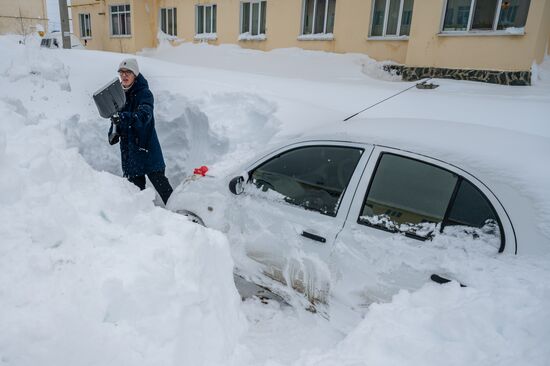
(417, 198)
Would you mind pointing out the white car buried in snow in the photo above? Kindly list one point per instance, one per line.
(362, 209)
(54, 40)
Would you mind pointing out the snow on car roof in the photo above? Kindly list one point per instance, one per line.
(469, 146)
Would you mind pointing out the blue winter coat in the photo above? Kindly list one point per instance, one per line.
(139, 145)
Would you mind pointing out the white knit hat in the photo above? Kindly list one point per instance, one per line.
(129, 64)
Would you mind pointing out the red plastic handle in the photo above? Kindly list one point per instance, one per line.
(201, 171)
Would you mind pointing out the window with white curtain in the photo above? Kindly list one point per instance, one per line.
(318, 17)
(168, 21)
(85, 25)
(120, 20)
(205, 19)
(486, 15)
(253, 16)
(391, 18)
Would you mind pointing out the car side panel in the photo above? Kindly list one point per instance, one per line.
(373, 264)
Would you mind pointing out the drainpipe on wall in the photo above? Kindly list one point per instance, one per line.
(45, 13)
(22, 25)
(65, 26)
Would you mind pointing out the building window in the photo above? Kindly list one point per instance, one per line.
(120, 20)
(168, 21)
(391, 18)
(318, 16)
(85, 25)
(205, 19)
(487, 15)
(253, 15)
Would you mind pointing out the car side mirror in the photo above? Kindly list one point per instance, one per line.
(236, 185)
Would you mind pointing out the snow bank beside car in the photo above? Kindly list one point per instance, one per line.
(92, 271)
(450, 325)
(501, 318)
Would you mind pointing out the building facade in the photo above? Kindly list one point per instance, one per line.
(488, 40)
(23, 16)
(115, 25)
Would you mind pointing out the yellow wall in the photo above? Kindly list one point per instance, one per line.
(543, 39)
(185, 17)
(283, 22)
(426, 47)
(22, 16)
(351, 30)
(144, 14)
(493, 52)
(96, 41)
(144, 23)
(125, 44)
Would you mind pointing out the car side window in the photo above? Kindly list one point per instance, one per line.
(417, 198)
(314, 177)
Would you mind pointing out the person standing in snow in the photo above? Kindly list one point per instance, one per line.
(134, 127)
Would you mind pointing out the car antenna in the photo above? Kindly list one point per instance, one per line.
(391, 96)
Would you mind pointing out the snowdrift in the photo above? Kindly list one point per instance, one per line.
(93, 273)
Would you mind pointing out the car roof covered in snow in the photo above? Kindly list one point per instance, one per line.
(472, 147)
(437, 138)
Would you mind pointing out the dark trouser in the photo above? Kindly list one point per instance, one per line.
(160, 182)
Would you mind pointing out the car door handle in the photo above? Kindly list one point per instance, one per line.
(311, 236)
(441, 280)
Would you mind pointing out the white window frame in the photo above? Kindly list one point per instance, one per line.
(174, 15)
(322, 36)
(206, 35)
(313, 17)
(469, 30)
(248, 35)
(385, 25)
(128, 13)
(85, 21)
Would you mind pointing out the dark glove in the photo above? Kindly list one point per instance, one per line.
(114, 134)
(115, 119)
(122, 121)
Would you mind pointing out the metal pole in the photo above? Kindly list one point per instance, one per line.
(65, 27)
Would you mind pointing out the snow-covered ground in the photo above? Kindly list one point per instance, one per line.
(93, 273)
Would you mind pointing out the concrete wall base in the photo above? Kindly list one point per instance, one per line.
(488, 76)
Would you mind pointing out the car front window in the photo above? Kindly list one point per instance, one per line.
(313, 177)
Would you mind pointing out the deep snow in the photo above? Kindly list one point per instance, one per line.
(94, 273)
